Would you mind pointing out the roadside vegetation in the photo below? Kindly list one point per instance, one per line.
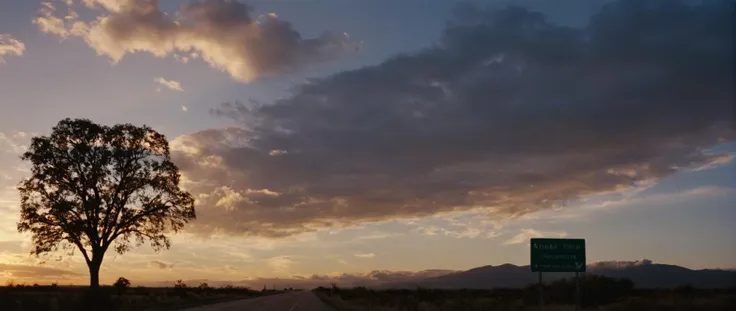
(119, 297)
(598, 293)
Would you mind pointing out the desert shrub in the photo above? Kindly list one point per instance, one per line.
(598, 290)
(434, 297)
(204, 288)
(180, 289)
(595, 290)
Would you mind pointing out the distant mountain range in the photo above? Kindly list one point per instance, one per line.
(644, 274)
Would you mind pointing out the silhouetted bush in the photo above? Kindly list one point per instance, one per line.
(121, 285)
(595, 290)
(204, 289)
(180, 289)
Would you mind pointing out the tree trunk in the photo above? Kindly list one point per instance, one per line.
(94, 268)
(94, 275)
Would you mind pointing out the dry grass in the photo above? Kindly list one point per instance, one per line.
(361, 299)
(720, 302)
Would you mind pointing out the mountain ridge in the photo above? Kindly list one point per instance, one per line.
(644, 274)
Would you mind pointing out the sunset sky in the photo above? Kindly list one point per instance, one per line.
(330, 137)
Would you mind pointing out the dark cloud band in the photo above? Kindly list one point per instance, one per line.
(508, 112)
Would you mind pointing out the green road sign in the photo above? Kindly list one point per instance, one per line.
(557, 255)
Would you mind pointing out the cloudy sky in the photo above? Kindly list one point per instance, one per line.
(342, 137)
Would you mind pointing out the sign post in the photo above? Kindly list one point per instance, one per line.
(541, 292)
(558, 255)
(577, 292)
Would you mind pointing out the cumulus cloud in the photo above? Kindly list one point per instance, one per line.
(170, 84)
(110, 5)
(526, 234)
(506, 115)
(10, 46)
(224, 33)
(366, 255)
(49, 23)
(619, 264)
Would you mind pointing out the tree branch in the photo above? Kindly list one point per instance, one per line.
(83, 250)
(125, 226)
(107, 227)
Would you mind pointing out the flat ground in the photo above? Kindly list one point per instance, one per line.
(296, 301)
(361, 299)
(46, 298)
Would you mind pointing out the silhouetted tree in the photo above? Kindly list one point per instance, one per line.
(180, 288)
(180, 284)
(92, 185)
(121, 285)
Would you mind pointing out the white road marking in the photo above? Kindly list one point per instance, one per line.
(295, 305)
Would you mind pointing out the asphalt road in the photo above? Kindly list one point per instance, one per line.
(295, 301)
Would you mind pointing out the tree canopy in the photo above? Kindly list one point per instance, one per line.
(94, 186)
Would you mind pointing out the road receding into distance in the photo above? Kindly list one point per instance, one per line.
(294, 301)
